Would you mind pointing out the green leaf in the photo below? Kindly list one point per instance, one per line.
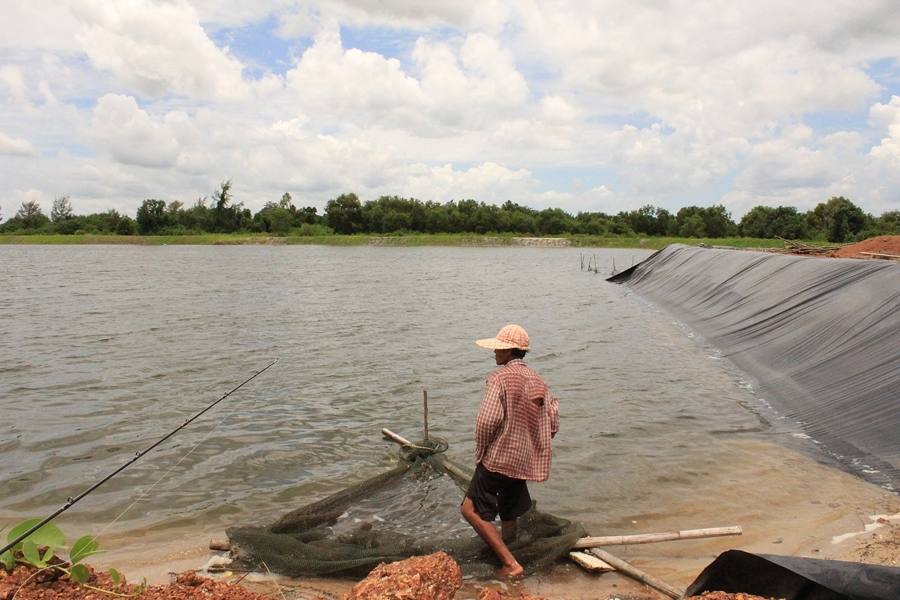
(82, 548)
(48, 535)
(7, 560)
(31, 554)
(80, 573)
(48, 554)
(115, 576)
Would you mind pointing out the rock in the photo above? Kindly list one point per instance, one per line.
(432, 577)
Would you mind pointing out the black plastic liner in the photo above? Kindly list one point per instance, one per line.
(794, 578)
(821, 337)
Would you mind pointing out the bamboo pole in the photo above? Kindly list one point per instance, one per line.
(590, 562)
(399, 439)
(458, 473)
(623, 567)
(649, 538)
(425, 402)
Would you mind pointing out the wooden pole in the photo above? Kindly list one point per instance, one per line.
(221, 545)
(649, 538)
(398, 439)
(425, 402)
(590, 562)
(623, 567)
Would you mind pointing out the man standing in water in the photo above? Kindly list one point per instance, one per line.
(516, 421)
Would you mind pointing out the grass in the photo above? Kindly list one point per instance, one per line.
(414, 239)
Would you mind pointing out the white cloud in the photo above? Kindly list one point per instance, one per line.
(458, 87)
(735, 71)
(471, 86)
(15, 146)
(158, 48)
(129, 99)
(13, 80)
(351, 85)
(130, 135)
(888, 116)
(487, 182)
(556, 110)
(484, 15)
(43, 24)
(301, 22)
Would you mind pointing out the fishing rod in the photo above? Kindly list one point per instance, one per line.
(71, 501)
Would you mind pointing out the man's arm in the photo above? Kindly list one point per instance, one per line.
(490, 417)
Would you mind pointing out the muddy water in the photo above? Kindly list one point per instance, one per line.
(104, 349)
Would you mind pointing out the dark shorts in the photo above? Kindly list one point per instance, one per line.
(493, 493)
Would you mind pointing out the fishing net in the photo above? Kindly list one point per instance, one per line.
(412, 509)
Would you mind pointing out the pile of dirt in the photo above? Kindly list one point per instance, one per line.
(883, 244)
(882, 547)
(432, 577)
(26, 583)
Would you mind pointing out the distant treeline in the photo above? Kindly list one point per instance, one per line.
(836, 220)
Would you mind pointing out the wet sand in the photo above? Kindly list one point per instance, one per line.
(786, 503)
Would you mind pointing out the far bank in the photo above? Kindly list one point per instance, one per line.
(454, 239)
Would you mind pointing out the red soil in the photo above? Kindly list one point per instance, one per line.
(432, 577)
(883, 244)
(25, 584)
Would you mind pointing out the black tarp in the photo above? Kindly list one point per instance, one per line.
(820, 336)
(795, 578)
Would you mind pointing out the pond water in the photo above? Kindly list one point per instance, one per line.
(104, 349)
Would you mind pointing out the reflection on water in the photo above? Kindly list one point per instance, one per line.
(105, 349)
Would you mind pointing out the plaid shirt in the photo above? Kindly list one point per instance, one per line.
(518, 416)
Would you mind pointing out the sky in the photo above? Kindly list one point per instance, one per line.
(584, 105)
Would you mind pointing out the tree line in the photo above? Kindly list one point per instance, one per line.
(835, 220)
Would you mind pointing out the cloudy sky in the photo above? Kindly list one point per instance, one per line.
(583, 105)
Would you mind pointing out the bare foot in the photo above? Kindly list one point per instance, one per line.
(514, 571)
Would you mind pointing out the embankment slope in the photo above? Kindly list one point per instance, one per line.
(820, 336)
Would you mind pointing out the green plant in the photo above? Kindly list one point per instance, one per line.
(40, 550)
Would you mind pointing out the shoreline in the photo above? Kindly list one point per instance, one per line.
(404, 240)
(827, 513)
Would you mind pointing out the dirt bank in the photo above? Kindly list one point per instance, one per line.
(786, 502)
(888, 245)
(26, 583)
(418, 578)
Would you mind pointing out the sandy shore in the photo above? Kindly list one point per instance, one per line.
(823, 513)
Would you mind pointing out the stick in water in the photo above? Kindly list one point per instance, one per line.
(425, 401)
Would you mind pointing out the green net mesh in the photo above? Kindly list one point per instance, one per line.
(409, 510)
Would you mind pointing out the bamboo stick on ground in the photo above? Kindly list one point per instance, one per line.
(649, 538)
(221, 545)
(623, 567)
